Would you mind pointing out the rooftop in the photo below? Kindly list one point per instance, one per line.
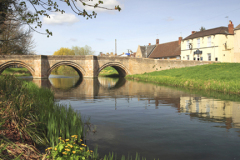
(214, 31)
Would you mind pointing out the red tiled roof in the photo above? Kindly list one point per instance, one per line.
(169, 49)
(219, 30)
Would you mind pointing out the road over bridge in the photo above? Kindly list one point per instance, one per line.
(41, 66)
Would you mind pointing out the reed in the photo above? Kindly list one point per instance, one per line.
(34, 115)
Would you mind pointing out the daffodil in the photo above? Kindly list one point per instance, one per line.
(64, 153)
(73, 152)
(55, 149)
(67, 149)
(66, 140)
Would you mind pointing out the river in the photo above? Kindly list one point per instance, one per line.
(155, 121)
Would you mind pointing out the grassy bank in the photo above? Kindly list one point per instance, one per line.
(16, 72)
(30, 116)
(109, 72)
(220, 77)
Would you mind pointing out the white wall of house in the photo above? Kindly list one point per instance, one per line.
(212, 47)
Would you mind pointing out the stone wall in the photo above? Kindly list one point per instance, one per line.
(90, 66)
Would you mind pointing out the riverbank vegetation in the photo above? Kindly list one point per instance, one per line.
(30, 116)
(109, 72)
(16, 72)
(220, 77)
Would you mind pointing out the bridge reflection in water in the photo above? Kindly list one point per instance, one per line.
(226, 113)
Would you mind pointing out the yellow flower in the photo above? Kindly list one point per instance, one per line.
(73, 136)
(81, 148)
(66, 146)
(64, 153)
(73, 152)
(83, 144)
(66, 140)
(91, 151)
(50, 148)
(55, 149)
(67, 149)
(59, 137)
(74, 143)
(80, 139)
(46, 150)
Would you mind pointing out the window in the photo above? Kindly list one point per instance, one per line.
(209, 41)
(194, 58)
(216, 59)
(187, 46)
(168, 58)
(201, 58)
(187, 57)
(162, 58)
(209, 56)
(198, 43)
(178, 57)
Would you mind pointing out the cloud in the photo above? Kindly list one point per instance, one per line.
(106, 3)
(169, 19)
(73, 39)
(60, 19)
(100, 39)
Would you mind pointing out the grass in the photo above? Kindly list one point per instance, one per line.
(30, 115)
(220, 77)
(17, 72)
(109, 72)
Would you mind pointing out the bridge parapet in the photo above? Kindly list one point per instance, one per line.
(41, 66)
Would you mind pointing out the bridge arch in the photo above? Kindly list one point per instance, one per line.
(74, 65)
(11, 63)
(121, 69)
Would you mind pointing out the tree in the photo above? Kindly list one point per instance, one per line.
(63, 52)
(86, 50)
(43, 7)
(13, 38)
(202, 29)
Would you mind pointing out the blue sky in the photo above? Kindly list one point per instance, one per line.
(139, 23)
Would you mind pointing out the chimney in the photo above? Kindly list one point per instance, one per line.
(179, 40)
(230, 27)
(149, 44)
(193, 32)
(157, 41)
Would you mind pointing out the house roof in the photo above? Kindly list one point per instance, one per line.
(169, 49)
(147, 50)
(219, 30)
(237, 28)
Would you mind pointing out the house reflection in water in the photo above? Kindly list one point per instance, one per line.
(212, 110)
(205, 109)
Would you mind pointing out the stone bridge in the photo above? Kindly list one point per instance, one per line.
(41, 66)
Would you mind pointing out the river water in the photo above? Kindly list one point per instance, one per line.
(155, 121)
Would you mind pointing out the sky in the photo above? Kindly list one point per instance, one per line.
(140, 22)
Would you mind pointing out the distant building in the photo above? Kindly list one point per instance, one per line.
(144, 51)
(169, 50)
(210, 45)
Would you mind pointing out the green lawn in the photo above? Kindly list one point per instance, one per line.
(109, 72)
(16, 71)
(222, 77)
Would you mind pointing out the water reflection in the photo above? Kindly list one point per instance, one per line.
(156, 121)
(212, 110)
(205, 109)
